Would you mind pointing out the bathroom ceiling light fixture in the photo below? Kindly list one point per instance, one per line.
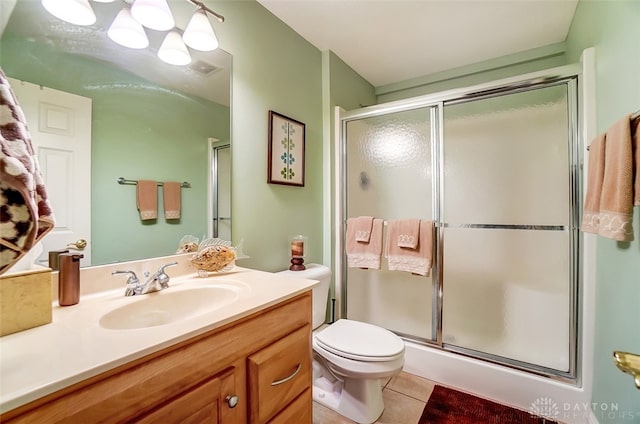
(127, 32)
(154, 14)
(78, 12)
(199, 33)
(173, 51)
(127, 27)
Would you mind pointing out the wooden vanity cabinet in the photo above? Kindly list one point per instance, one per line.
(209, 402)
(223, 376)
(278, 374)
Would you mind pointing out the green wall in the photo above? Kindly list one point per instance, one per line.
(273, 69)
(138, 132)
(345, 88)
(613, 28)
(491, 70)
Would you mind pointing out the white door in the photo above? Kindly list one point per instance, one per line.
(60, 127)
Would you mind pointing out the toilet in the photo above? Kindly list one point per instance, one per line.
(350, 358)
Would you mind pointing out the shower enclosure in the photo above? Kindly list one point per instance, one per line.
(497, 170)
(220, 199)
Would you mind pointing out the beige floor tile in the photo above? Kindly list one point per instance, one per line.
(411, 385)
(399, 408)
(324, 415)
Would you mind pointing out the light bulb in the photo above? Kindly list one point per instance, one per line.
(78, 12)
(128, 32)
(199, 34)
(173, 50)
(154, 14)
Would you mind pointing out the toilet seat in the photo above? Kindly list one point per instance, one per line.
(360, 341)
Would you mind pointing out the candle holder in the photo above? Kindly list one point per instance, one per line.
(297, 253)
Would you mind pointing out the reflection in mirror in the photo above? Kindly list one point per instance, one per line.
(221, 189)
(148, 120)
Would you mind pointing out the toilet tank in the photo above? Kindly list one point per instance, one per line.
(320, 293)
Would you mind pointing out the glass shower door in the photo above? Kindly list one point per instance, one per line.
(389, 176)
(507, 257)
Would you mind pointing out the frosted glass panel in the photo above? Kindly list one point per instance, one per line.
(389, 166)
(394, 300)
(506, 292)
(505, 159)
(388, 175)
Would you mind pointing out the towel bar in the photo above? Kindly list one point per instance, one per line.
(122, 180)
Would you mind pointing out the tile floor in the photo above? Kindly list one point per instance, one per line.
(405, 396)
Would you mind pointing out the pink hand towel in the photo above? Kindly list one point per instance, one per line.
(408, 233)
(171, 195)
(635, 130)
(608, 209)
(363, 226)
(361, 254)
(147, 199)
(418, 260)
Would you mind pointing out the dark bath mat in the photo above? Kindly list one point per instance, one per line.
(448, 406)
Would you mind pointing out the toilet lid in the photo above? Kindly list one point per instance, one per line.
(360, 341)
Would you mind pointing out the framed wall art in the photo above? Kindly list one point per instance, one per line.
(286, 150)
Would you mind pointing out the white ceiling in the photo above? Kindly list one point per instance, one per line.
(388, 41)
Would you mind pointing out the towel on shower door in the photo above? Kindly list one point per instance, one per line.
(408, 233)
(171, 195)
(364, 254)
(147, 199)
(362, 227)
(417, 260)
(26, 212)
(608, 208)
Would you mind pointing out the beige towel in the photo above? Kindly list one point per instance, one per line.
(171, 195)
(408, 233)
(418, 260)
(360, 254)
(635, 130)
(362, 227)
(26, 213)
(608, 209)
(147, 199)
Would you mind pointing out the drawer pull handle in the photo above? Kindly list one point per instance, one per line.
(284, 380)
(232, 401)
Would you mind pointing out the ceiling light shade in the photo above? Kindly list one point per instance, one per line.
(173, 50)
(154, 14)
(104, 1)
(199, 34)
(128, 32)
(78, 12)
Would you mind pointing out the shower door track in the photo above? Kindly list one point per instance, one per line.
(567, 75)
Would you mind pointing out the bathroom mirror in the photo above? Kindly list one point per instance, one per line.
(149, 120)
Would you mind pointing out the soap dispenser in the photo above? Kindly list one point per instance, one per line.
(69, 279)
(54, 258)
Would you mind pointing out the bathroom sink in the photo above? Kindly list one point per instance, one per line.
(169, 306)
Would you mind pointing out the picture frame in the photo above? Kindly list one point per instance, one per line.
(285, 163)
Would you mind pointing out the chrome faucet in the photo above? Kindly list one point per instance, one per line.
(158, 281)
(133, 284)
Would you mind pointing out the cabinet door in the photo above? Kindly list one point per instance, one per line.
(206, 402)
(299, 411)
(278, 374)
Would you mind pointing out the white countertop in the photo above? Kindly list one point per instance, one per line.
(74, 347)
